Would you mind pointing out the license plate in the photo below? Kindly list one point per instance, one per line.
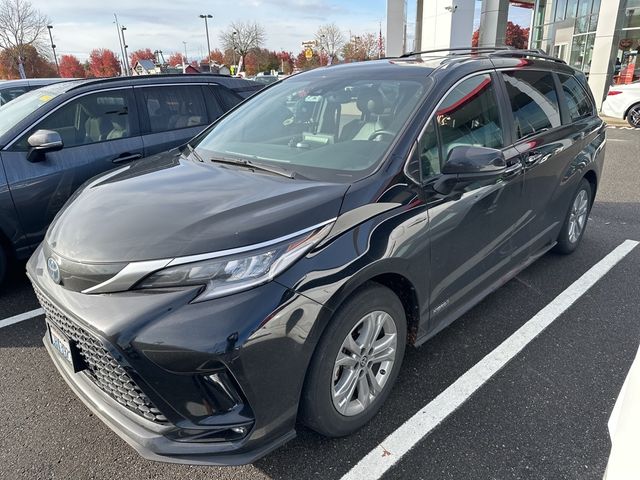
(61, 344)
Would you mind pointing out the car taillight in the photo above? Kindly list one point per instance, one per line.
(613, 92)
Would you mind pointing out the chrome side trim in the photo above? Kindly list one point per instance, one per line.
(128, 276)
(136, 271)
(248, 248)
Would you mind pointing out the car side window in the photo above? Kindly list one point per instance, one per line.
(429, 152)
(577, 100)
(469, 115)
(8, 94)
(92, 118)
(534, 101)
(174, 107)
(228, 98)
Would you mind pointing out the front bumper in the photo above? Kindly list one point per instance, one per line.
(263, 338)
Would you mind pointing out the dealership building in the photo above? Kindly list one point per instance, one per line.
(599, 37)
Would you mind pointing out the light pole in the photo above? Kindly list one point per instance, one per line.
(126, 55)
(206, 27)
(322, 44)
(184, 61)
(124, 65)
(233, 42)
(53, 47)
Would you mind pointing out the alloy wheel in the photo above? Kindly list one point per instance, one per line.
(634, 116)
(578, 215)
(364, 362)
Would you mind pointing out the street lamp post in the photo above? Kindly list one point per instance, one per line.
(53, 47)
(322, 44)
(126, 55)
(206, 27)
(233, 36)
(184, 62)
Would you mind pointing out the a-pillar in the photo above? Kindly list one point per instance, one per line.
(445, 23)
(493, 23)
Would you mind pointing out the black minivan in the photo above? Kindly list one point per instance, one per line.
(55, 138)
(202, 301)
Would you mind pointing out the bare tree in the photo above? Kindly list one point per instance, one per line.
(243, 37)
(330, 39)
(21, 26)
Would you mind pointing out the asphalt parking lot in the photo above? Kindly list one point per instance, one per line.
(543, 416)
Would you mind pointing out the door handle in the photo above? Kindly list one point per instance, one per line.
(533, 158)
(512, 170)
(127, 157)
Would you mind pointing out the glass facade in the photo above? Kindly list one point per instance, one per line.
(567, 29)
(627, 67)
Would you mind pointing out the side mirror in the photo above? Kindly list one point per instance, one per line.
(43, 141)
(466, 164)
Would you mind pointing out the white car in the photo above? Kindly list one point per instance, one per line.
(623, 101)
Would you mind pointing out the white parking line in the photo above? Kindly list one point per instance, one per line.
(20, 318)
(398, 443)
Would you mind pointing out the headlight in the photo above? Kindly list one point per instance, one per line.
(230, 274)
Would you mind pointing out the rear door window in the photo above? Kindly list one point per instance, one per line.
(534, 101)
(578, 102)
(173, 107)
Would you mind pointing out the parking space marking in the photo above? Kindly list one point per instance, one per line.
(398, 443)
(21, 317)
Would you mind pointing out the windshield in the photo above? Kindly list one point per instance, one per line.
(324, 128)
(15, 111)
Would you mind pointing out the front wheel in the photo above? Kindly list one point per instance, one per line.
(633, 116)
(576, 221)
(356, 363)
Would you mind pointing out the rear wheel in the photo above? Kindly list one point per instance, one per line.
(576, 221)
(633, 116)
(356, 363)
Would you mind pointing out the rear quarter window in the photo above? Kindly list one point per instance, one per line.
(576, 99)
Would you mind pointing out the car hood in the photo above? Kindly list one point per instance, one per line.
(169, 206)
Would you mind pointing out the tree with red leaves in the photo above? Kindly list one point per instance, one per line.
(142, 54)
(217, 56)
(286, 62)
(103, 63)
(515, 36)
(35, 65)
(175, 59)
(70, 67)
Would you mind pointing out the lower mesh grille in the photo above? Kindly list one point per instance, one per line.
(102, 368)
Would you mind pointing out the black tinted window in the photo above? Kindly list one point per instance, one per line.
(8, 94)
(533, 100)
(578, 102)
(97, 117)
(174, 107)
(229, 99)
(469, 116)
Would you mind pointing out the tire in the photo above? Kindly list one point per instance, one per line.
(322, 396)
(579, 208)
(633, 116)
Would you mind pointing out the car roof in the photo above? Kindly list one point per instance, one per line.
(225, 80)
(445, 59)
(31, 81)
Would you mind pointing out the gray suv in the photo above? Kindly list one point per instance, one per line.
(55, 138)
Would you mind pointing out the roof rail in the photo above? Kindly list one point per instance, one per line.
(99, 80)
(458, 49)
(527, 53)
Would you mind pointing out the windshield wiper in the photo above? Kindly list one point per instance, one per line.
(253, 166)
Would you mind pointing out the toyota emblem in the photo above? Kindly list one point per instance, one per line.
(54, 270)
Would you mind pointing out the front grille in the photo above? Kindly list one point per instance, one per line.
(101, 367)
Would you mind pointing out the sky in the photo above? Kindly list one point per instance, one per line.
(80, 26)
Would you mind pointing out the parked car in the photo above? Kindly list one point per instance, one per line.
(202, 302)
(12, 89)
(54, 139)
(623, 101)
